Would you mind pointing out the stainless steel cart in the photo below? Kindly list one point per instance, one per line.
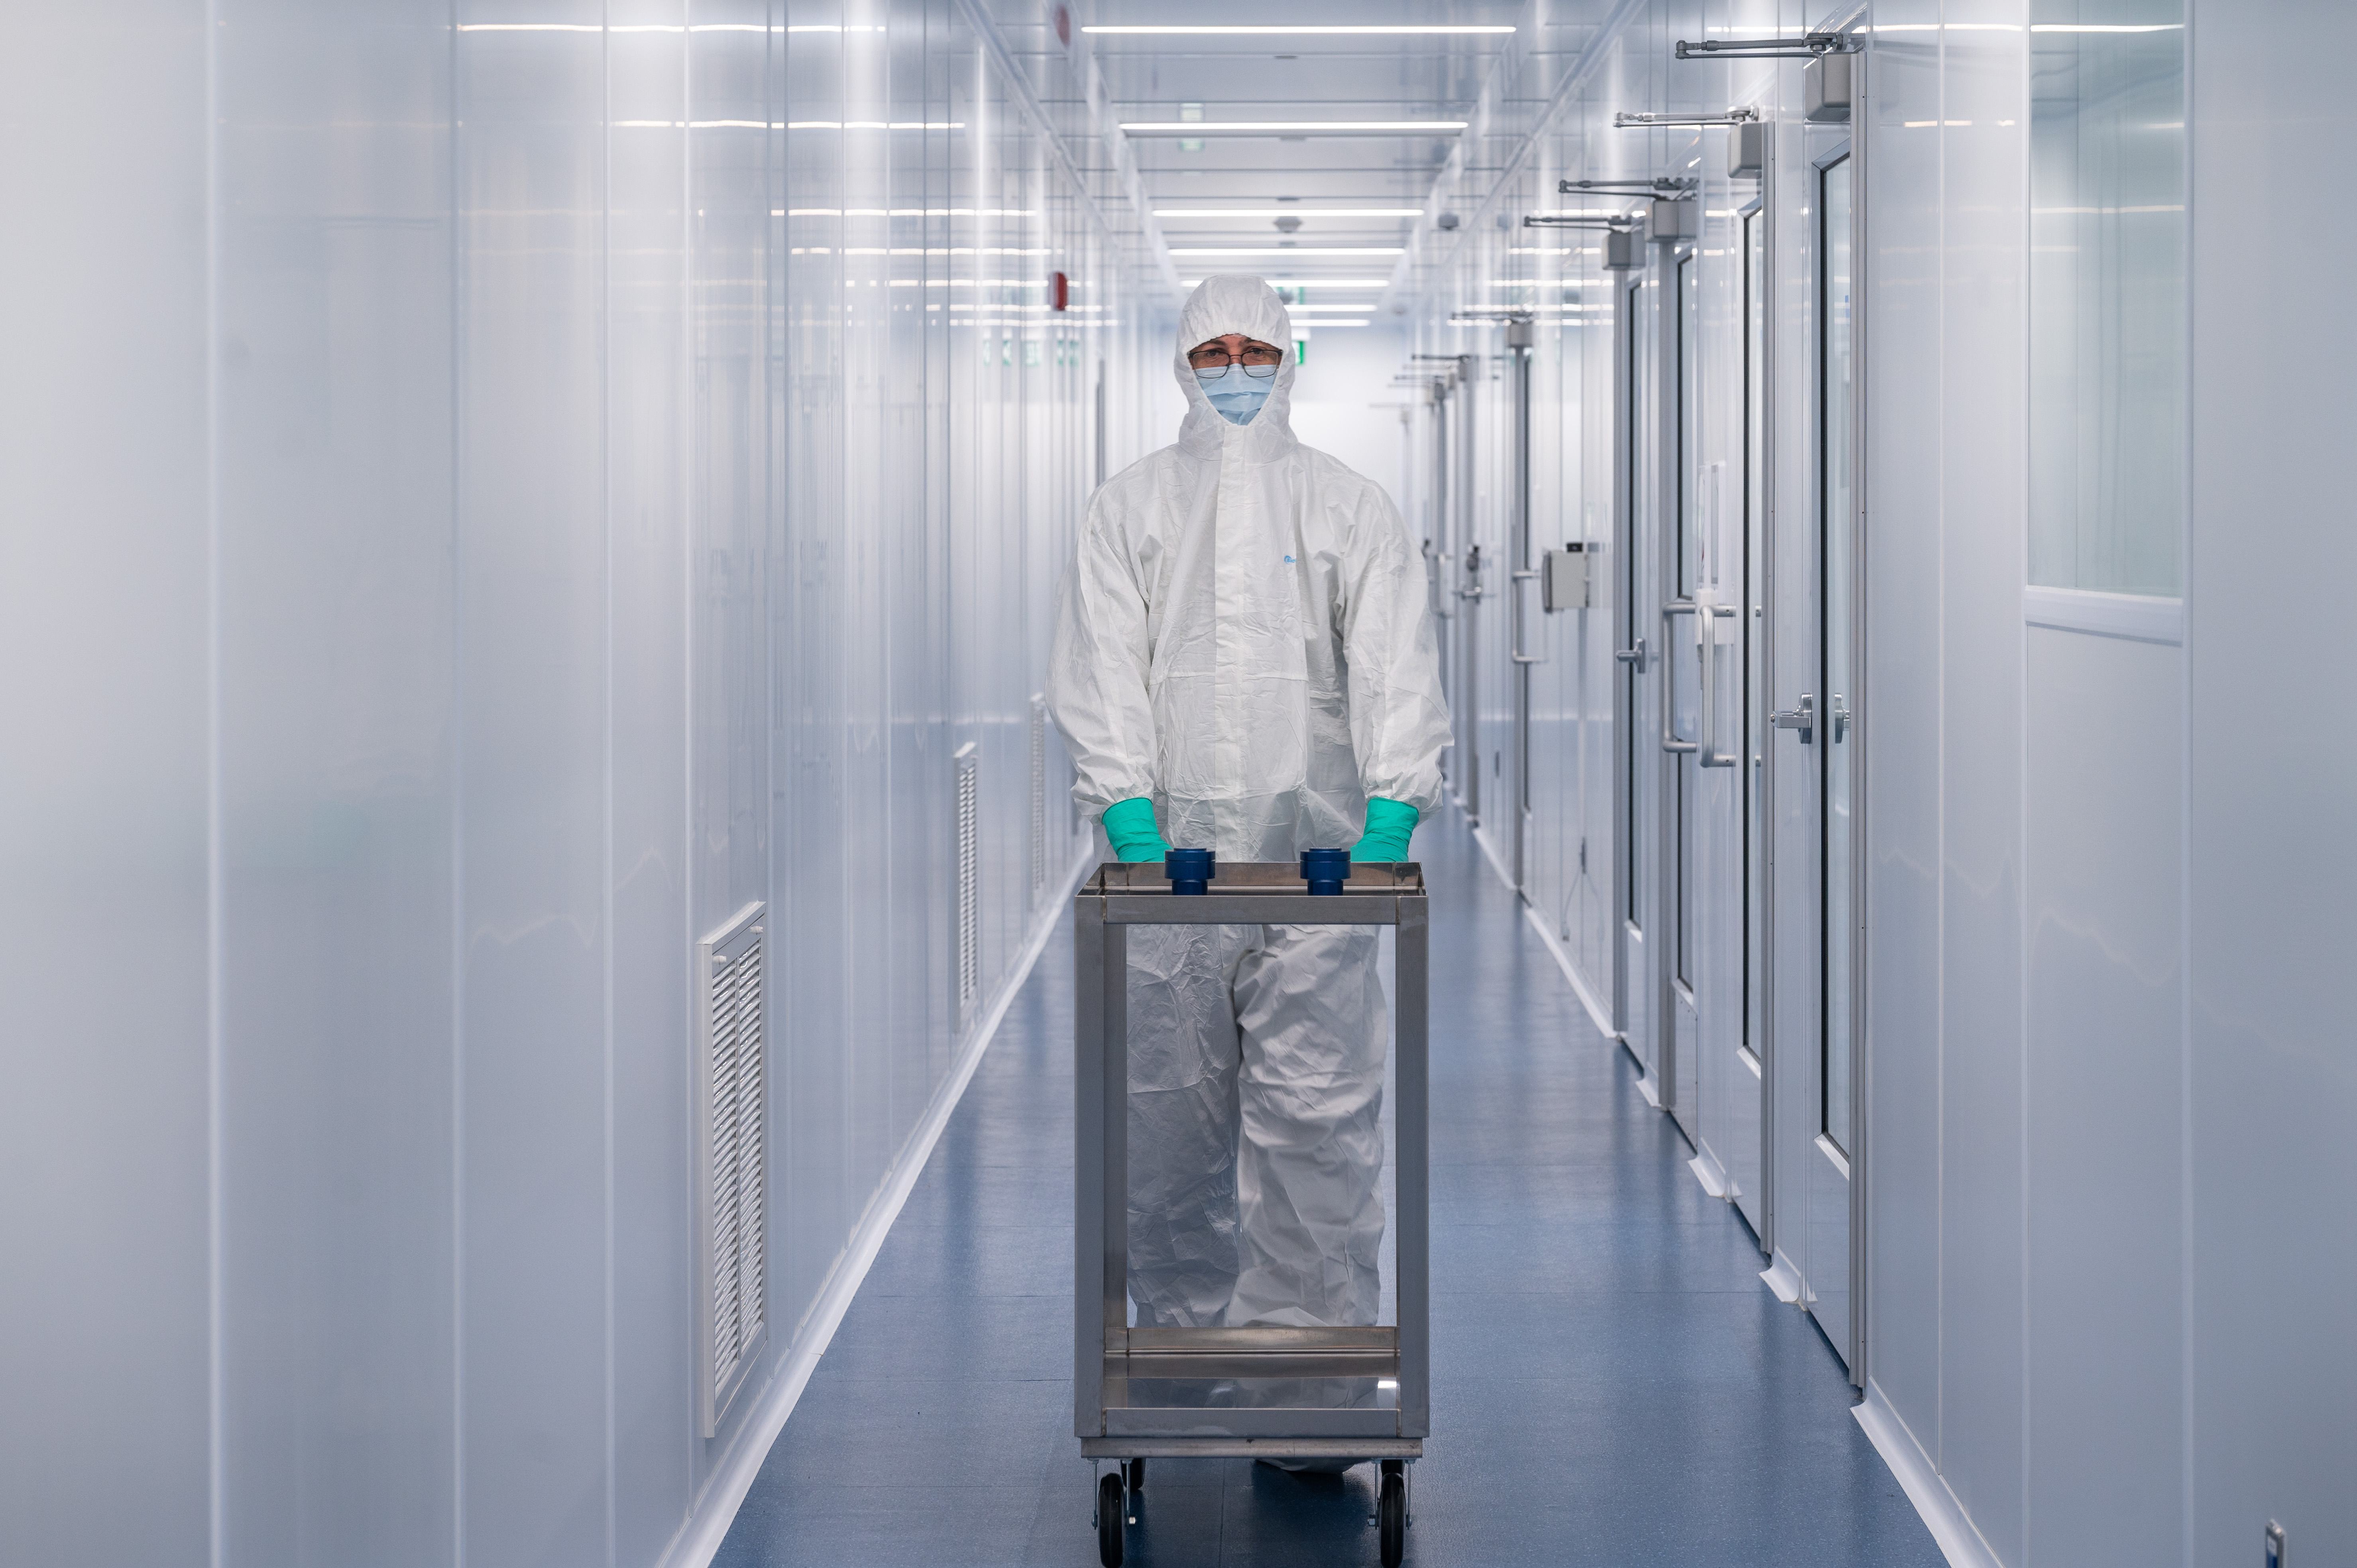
(1108, 1355)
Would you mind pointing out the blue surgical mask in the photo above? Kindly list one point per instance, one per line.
(1236, 396)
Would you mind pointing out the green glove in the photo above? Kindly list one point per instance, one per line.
(1389, 823)
(1130, 825)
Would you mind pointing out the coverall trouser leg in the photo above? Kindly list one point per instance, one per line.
(1256, 1132)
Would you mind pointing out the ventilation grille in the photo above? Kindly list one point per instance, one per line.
(1038, 793)
(969, 877)
(733, 1039)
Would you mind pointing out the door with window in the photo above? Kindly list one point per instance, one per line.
(1684, 622)
(1636, 771)
(1815, 737)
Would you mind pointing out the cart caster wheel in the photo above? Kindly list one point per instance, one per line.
(1391, 1513)
(1137, 1474)
(1110, 1508)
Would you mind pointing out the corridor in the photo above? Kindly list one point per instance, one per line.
(1612, 1384)
(582, 580)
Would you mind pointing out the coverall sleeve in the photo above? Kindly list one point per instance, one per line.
(1097, 664)
(1399, 716)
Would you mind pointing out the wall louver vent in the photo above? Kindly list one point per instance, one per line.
(969, 877)
(1039, 794)
(733, 1040)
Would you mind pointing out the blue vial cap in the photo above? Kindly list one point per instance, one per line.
(1325, 870)
(1189, 870)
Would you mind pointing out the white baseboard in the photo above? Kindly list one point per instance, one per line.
(1597, 1013)
(724, 1493)
(1944, 1516)
(1783, 1280)
(1713, 1176)
(1491, 852)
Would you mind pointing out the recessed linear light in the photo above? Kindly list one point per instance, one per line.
(1307, 282)
(1424, 31)
(1289, 127)
(1290, 252)
(1288, 211)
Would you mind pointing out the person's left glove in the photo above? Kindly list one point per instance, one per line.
(1389, 824)
(1130, 828)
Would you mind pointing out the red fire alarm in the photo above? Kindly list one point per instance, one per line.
(1065, 27)
(1060, 292)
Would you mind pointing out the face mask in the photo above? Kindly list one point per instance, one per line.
(1236, 396)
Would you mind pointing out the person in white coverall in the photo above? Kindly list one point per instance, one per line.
(1243, 660)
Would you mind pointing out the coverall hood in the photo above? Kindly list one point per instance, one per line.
(1236, 302)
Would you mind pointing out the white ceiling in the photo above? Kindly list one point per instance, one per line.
(1298, 77)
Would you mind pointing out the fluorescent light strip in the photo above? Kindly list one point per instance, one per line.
(1307, 283)
(1288, 211)
(1289, 127)
(1334, 324)
(655, 27)
(2106, 28)
(1302, 251)
(901, 212)
(791, 125)
(1308, 32)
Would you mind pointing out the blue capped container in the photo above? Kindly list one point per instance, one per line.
(1190, 870)
(1325, 870)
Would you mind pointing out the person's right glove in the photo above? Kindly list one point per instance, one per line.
(1389, 823)
(1129, 825)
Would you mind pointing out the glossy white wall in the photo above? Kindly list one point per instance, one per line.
(2270, 1094)
(488, 493)
(2024, 1314)
(2102, 1137)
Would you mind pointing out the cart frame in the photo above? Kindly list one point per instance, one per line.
(1107, 1352)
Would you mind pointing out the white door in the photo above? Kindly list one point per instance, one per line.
(1637, 770)
(1817, 1115)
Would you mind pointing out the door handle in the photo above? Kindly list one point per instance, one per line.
(1633, 656)
(1711, 755)
(1670, 741)
(1840, 716)
(1521, 618)
(1802, 716)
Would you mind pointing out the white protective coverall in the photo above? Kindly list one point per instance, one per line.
(1243, 636)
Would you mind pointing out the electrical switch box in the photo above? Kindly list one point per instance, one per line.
(1562, 581)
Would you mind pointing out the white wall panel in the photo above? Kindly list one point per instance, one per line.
(103, 630)
(2270, 775)
(1903, 563)
(1983, 152)
(2105, 1257)
(338, 753)
(667, 599)
(581, 476)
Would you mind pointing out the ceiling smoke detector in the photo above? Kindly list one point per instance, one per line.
(1287, 224)
(1448, 220)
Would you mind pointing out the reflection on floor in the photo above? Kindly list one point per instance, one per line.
(1611, 1383)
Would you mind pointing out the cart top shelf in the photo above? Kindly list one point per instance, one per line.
(1379, 893)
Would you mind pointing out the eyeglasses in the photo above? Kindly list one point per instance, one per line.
(1258, 360)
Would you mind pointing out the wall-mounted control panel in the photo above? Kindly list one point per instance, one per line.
(1562, 580)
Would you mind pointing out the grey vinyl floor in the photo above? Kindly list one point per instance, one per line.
(1612, 1382)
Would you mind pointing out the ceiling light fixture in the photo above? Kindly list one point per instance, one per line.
(1288, 211)
(1307, 283)
(1289, 127)
(1292, 252)
(1264, 32)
